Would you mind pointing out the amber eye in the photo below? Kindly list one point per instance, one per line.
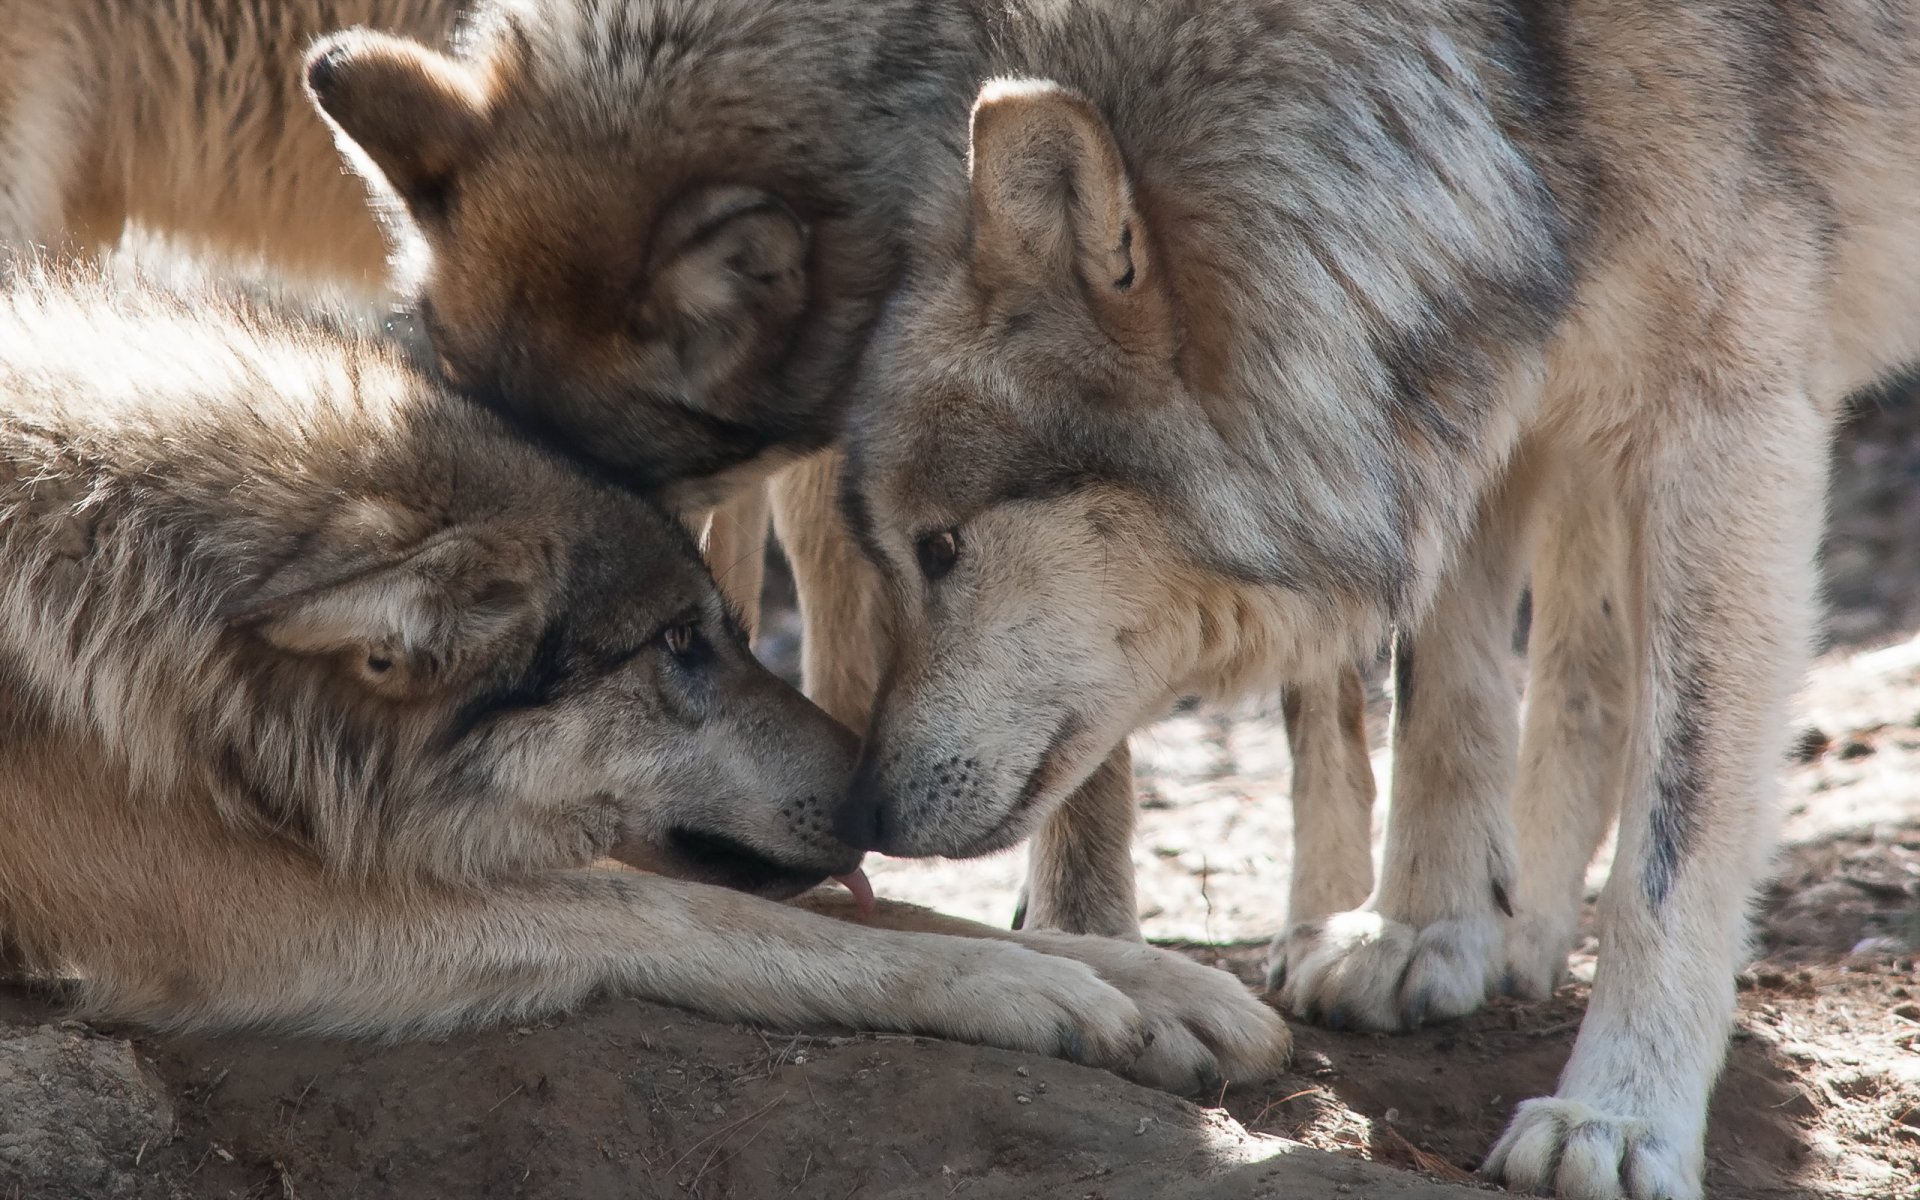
(938, 552)
(682, 640)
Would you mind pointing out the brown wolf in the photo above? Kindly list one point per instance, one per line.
(321, 693)
(1246, 331)
(653, 232)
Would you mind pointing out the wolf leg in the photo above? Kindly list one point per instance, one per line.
(1080, 876)
(1723, 518)
(1204, 1030)
(736, 552)
(292, 951)
(1428, 942)
(845, 630)
(1570, 750)
(1333, 794)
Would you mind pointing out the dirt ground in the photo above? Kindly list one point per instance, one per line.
(1821, 1097)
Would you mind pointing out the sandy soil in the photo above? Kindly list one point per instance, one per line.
(1821, 1097)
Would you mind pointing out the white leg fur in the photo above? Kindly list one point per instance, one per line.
(1080, 875)
(1428, 943)
(1578, 688)
(1333, 794)
(1725, 518)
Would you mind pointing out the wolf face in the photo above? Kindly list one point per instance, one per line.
(582, 664)
(1032, 473)
(634, 262)
(359, 611)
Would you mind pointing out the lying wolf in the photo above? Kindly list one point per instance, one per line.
(1245, 331)
(321, 694)
(653, 232)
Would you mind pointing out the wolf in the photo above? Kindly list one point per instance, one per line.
(323, 696)
(652, 233)
(1238, 334)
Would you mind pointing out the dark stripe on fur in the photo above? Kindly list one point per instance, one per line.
(1679, 784)
(1402, 679)
(533, 687)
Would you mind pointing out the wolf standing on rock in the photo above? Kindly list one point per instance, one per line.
(1247, 331)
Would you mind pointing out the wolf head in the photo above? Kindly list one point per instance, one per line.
(630, 249)
(491, 642)
(1048, 489)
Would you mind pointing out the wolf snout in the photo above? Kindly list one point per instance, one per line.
(861, 819)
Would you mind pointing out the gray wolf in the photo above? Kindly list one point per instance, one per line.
(653, 234)
(323, 694)
(1238, 334)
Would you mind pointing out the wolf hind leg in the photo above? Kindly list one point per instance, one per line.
(735, 548)
(1428, 941)
(1333, 795)
(1578, 689)
(845, 628)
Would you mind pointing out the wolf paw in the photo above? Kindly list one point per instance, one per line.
(1536, 956)
(1002, 994)
(1581, 1153)
(1206, 1028)
(1359, 970)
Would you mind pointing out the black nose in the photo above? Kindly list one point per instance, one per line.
(861, 819)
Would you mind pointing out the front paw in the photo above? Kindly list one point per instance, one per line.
(1359, 970)
(1002, 994)
(1580, 1152)
(1206, 1028)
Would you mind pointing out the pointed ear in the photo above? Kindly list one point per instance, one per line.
(1052, 202)
(416, 114)
(402, 628)
(728, 278)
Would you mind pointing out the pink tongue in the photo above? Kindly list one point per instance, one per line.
(855, 881)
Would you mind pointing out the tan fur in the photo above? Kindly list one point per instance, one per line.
(323, 694)
(186, 117)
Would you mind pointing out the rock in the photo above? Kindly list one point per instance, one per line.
(77, 1114)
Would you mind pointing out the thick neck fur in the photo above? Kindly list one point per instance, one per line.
(1367, 257)
(155, 468)
(1367, 230)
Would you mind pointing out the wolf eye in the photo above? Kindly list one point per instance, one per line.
(684, 642)
(937, 553)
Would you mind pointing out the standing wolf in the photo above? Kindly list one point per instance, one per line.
(1248, 330)
(320, 694)
(653, 232)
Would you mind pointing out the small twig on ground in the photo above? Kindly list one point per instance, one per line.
(729, 1127)
(1262, 1114)
(1431, 1163)
(510, 1095)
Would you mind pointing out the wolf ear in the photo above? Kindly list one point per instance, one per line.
(416, 114)
(404, 629)
(728, 278)
(1051, 201)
